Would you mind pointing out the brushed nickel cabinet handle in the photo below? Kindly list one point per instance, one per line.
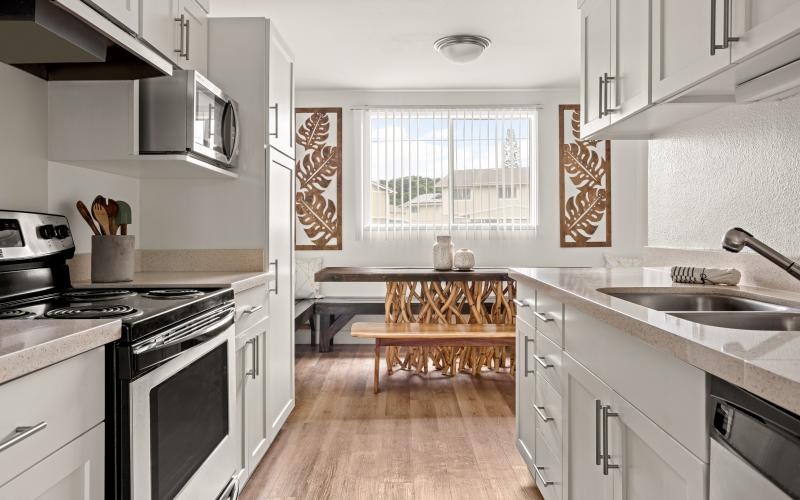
(274, 290)
(543, 317)
(600, 97)
(606, 456)
(253, 372)
(182, 23)
(542, 361)
(528, 340)
(545, 482)
(188, 41)
(598, 408)
(520, 303)
(606, 110)
(540, 411)
(275, 134)
(20, 434)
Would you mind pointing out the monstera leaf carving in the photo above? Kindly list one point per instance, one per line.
(317, 169)
(583, 213)
(314, 131)
(582, 164)
(318, 216)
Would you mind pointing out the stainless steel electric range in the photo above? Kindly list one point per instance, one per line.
(169, 382)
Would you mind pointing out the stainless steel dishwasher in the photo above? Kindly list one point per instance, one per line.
(755, 447)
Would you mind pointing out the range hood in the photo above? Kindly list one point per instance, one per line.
(68, 40)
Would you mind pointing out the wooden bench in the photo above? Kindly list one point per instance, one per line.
(431, 335)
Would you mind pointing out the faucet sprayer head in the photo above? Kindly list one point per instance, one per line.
(736, 239)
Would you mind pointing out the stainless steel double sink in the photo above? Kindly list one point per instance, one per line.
(715, 309)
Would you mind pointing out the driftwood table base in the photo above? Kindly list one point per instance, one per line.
(451, 303)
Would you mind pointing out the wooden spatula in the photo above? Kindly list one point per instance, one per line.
(124, 216)
(84, 211)
(111, 210)
(100, 214)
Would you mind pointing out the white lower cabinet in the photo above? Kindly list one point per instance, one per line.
(74, 472)
(525, 393)
(613, 448)
(252, 395)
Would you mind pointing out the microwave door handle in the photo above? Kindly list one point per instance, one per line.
(229, 113)
(235, 124)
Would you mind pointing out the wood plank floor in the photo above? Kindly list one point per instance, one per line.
(421, 438)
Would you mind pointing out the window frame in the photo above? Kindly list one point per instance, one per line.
(533, 149)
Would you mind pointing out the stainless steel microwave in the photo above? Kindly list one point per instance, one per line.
(186, 113)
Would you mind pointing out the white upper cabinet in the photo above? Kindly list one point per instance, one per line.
(629, 90)
(281, 95)
(124, 12)
(178, 29)
(760, 23)
(689, 45)
(595, 63)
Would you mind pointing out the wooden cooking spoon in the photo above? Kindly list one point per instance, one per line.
(111, 211)
(87, 216)
(100, 214)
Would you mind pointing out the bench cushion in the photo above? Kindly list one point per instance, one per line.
(411, 331)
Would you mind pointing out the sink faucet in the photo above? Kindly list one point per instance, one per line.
(737, 238)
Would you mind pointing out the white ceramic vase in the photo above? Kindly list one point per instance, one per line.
(443, 251)
(464, 259)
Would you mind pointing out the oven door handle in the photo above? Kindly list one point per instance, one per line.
(210, 330)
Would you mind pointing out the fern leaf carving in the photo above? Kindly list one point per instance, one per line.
(313, 133)
(318, 217)
(317, 169)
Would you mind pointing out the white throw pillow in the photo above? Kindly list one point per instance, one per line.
(304, 285)
(620, 261)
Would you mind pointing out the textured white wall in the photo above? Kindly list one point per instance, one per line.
(738, 166)
(23, 141)
(629, 159)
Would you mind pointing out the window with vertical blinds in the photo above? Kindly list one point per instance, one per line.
(468, 172)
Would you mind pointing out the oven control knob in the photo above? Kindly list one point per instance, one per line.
(62, 231)
(47, 232)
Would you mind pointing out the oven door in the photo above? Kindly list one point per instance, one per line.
(181, 415)
(215, 128)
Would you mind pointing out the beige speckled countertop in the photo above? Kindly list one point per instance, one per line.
(763, 362)
(28, 345)
(238, 281)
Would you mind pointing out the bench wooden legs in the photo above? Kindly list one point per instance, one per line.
(375, 383)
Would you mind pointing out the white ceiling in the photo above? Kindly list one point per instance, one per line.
(383, 44)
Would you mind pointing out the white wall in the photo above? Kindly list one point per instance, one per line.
(69, 184)
(629, 162)
(23, 141)
(737, 166)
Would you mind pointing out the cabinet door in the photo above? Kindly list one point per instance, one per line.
(761, 23)
(651, 463)
(124, 12)
(74, 472)
(526, 392)
(159, 27)
(256, 405)
(281, 293)
(583, 397)
(629, 91)
(281, 95)
(681, 45)
(195, 35)
(595, 63)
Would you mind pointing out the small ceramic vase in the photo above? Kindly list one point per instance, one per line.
(443, 253)
(464, 259)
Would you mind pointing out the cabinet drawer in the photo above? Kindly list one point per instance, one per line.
(549, 415)
(527, 297)
(550, 318)
(251, 307)
(669, 391)
(548, 361)
(547, 470)
(67, 397)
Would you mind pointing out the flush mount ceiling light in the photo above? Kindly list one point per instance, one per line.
(462, 49)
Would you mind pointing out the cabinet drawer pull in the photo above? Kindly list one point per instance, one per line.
(181, 50)
(540, 411)
(250, 310)
(520, 303)
(528, 340)
(542, 361)
(545, 482)
(274, 290)
(253, 372)
(606, 456)
(20, 434)
(598, 406)
(543, 317)
(275, 134)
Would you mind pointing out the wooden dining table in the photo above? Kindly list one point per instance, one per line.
(428, 296)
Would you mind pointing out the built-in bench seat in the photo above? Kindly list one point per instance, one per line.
(328, 315)
(431, 335)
